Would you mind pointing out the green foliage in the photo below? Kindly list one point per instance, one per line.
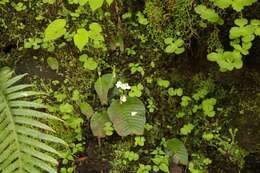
(19, 6)
(175, 92)
(177, 150)
(135, 68)
(237, 5)
(66, 108)
(88, 63)
(163, 83)
(55, 30)
(199, 163)
(208, 107)
(186, 129)
(53, 63)
(208, 14)
(160, 160)
(102, 86)
(81, 38)
(22, 138)
(144, 168)
(108, 129)
(99, 124)
(185, 100)
(95, 4)
(139, 141)
(86, 109)
(227, 60)
(141, 18)
(136, 91)
(222, 3)
(174, 47)
(131, 156)
(129, 117)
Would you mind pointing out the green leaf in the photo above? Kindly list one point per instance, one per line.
(186, 129)
(208, 14)
(66, 108)
(163, 83)
(81, 38)
(86, 109)
(55, 30)
(89, 63)
(102, 86)
(21, 131)
(95, 27)
(82, 2)
(97, 124)
(257, 31)
(53, 63)
(109, 2)
(222, 3)
(128, 118)
(136, 91)
(95, 4)
(239, 5)
(241, 22)
(177, 150)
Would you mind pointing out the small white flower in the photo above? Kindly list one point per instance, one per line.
(123, 86)
(119, 84)
(123, 98)
(133, 113)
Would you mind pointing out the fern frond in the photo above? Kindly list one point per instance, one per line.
(22, 137)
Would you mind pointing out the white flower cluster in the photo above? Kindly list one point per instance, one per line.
(123, 98)
(123, 86)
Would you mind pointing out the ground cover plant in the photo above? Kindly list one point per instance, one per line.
(138, 86)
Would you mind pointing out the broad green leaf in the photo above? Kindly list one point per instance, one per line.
(95, 27)
(128, 118)
(109, 2)
(81, 38)
(177, 150)
(53, 63)
(208, 14)
(95, 4)
(86, 109)
(55, 30)
(102, 86)
(97, 124)
(222, 3)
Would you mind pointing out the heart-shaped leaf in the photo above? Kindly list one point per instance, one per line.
(102, 86)
(109, 2)
(55, 30)
(81, 38)
(95, 4)
(86, 109)
(177, 150)
(97, 124)
(129, 117)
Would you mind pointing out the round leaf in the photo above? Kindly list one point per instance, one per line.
(129, 117)
(55, 30)
(97, 124)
